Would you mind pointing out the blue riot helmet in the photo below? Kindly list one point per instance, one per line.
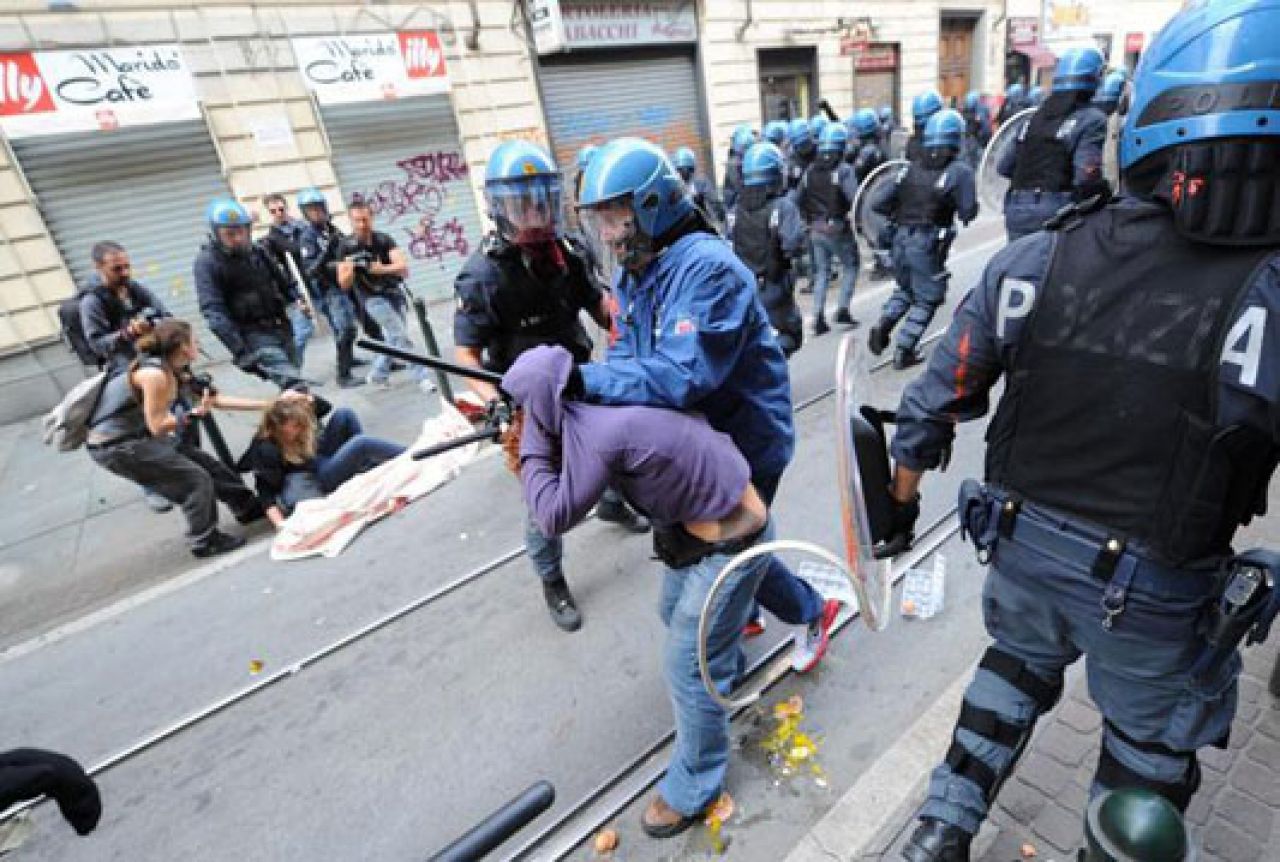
(763, 165)
(632, 197)
(310, 198)
(817, 123)
(886, 114)
(1079, 70)
(925, 106)
(865, 123)
(775, 132)
(229, 224)
(1107, 99)
(971, 100)
(1015, 93)
(522, 190)
(944, 129)
(1035, 96)
(799, 136)
(1208, 76)
(686, 163)
(743, 137)
(585, 155)
(834, 139)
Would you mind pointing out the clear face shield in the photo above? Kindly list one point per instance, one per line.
(527, 211)
(613, 226)
(234, 239)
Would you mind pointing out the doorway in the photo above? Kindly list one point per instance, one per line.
(787, 77)
(955, 57)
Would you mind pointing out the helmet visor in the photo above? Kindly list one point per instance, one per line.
(612, 225)
(526, 210)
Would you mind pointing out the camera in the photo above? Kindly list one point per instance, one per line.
(150, 315)
(361, 259)
(201, 384)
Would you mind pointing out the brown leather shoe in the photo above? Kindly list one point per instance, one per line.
(660, 820)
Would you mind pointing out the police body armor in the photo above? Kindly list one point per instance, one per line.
(1109, 414)
(1044, 162)
(824, 199)
(252, 287)
(532, 311)
(755, 237)
(920, 199)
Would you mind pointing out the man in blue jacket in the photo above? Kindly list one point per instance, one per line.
(692, 334)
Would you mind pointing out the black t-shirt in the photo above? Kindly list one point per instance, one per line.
(377, 249)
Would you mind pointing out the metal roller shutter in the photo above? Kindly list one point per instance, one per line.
(649, 94)
(404, 158)
(144, 188)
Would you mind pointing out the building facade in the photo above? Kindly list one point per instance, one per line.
(120, 119)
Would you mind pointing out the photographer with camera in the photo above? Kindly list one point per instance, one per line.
(374, 267)
(320, 256)
(135, 432)
(283, 241)
(115, 310)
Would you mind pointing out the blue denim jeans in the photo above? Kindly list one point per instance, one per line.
(545, 552)
(1048, 613)
(700, 757)
(272, 357)
(303, 328)
(783, 594)
(343, 450)
(389, 313)
(825, 247)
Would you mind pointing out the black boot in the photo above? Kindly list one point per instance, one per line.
(564, 611)
(935, 841)
(905, 358)
(820, 325)
(878, 338)
(844, 318)
(217, 542)
(346, 361)
(618, 512)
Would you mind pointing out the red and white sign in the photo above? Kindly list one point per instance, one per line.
(1133, 43)
(54, 92)
(372, 66)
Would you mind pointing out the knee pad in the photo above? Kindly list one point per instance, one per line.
(1112, 774)
(991, 726)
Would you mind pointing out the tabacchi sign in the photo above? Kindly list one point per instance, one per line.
(52, 92)
(372, 66)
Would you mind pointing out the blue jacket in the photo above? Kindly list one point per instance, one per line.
(692, 335)
(990, 322)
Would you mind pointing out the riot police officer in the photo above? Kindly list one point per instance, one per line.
(865, 153)
(924, 106)
(1058, 156)
(700, 188)
(243, 296)
(768, 234)
(928, 195)
(743, 137)
(1015, 102)
(977, 127)
(584, 157)
(1035, 96)
(775, 132)
(1137, 432)
(1107, 99)
(824, 197)
(801, 150)
(524, 287)
(320, 249)
(887, 124)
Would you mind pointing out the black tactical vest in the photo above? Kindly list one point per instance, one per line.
(915, 148)
(1109, 411)
(921, 200)
(250, 285)
(822, 196)
(755, 239)
(532, 312)
(1044, 160)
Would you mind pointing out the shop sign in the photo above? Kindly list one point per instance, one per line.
(1133, 43)
(56, 92)
(371, 66)
(877, 57)
(1023, 32)
(568, 24)
(1068, 19)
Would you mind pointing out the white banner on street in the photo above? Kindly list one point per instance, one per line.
(372, 66)
(55, 92)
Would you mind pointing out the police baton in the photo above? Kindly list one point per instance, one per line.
(433, 362)
(490, 833)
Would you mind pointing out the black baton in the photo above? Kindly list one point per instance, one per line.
(431, 361)
(476, 437)
(489, 833)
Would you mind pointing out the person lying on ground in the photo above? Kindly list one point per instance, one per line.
(296, 457)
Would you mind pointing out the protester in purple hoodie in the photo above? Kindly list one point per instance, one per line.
(694, 484)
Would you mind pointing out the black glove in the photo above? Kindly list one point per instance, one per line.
(902, 527)
(26, 773)
(497, 413)
(574, 388)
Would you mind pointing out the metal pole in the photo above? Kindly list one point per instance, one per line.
(430, 361)
(448, 445)
(433, 347)
(490, 833)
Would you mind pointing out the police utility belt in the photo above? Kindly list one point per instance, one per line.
(1243, 590)
(678, 548)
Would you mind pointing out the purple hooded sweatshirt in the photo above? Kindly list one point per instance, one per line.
(673, 466)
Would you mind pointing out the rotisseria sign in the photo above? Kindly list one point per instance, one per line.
(370, 66)
(52, 92)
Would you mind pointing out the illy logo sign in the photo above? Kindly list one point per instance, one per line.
(423, 55)
(22, 89)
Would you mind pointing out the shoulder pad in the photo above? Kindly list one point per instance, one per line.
(1072, 215)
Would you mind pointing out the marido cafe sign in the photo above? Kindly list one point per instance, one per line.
(54, 92)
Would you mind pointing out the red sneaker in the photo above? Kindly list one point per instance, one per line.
(753, 629)
(812, 643)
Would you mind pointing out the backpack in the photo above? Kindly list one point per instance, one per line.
(73, 330)
(66, 426)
